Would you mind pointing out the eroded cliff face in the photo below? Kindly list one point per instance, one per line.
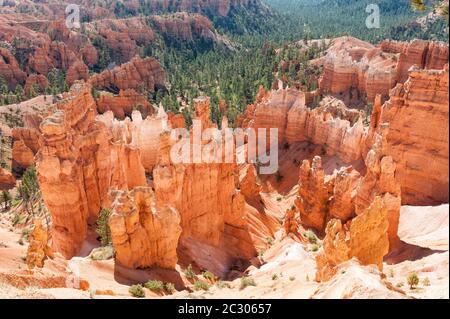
(123, 104)
(10, 69)
(7, 180)
(418, 136)
(213, 211)
(87, 162)
(185, 27)
(138, 74)
(365, 238)
(354, 69)
(338, 129)
(38, 249)
(77, 164)
(143, 234)
(27, 142)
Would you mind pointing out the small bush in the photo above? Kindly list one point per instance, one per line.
(274, 277)
(209, 275)
(310, 236)
(291, 278)
(412, 280)
(102, 253)
(269, 240)
(189, 272)
(154, 285)
(426, 282)
(201, 285)
(315, 248)
(391, 273)
(137, 291)
(222, 284)
(279, 199)
(169, 287)
(246, 281)
(26, 232)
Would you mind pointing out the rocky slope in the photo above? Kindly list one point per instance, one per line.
(328, 223)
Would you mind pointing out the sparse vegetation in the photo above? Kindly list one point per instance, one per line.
(391, 273)
(155, 285)
(209, 275)
(5, 199)
(426, 282)
(274, 277)
(189, 272)
(28, 189)
(310, 236)
(261, 253)
(246, 282)
(315, 248)
(169, 287)
(102, 253)
(269, 240)
(222, 284)
(201, 285)
(137, 291)
(103, 230)
(412, 280)
(291, 278)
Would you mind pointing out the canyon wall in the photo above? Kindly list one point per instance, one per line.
(79, 161)
(418, 136)
(354, 69)
(138, 74)
(332, 125)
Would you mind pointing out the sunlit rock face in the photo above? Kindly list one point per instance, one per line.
(335, 127)
(357, 69)
(137, 74)
(78, 162)
(366, 239)
(143, 234)
(418, 136)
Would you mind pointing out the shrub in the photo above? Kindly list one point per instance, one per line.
(246, 281)
(291, 278)
(209, 275)
(312, 238)
(189, 272)
(274, 277)
(137, 291)
(269, 240)
(103, 229)
(412, 280)
(169, 287)
(154, 285)
(426, 282)
(315, 248)
(222, 284)
(26, 232)
(201, 285)
(102, 253)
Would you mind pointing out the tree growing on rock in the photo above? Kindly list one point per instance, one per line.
(103, 230)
